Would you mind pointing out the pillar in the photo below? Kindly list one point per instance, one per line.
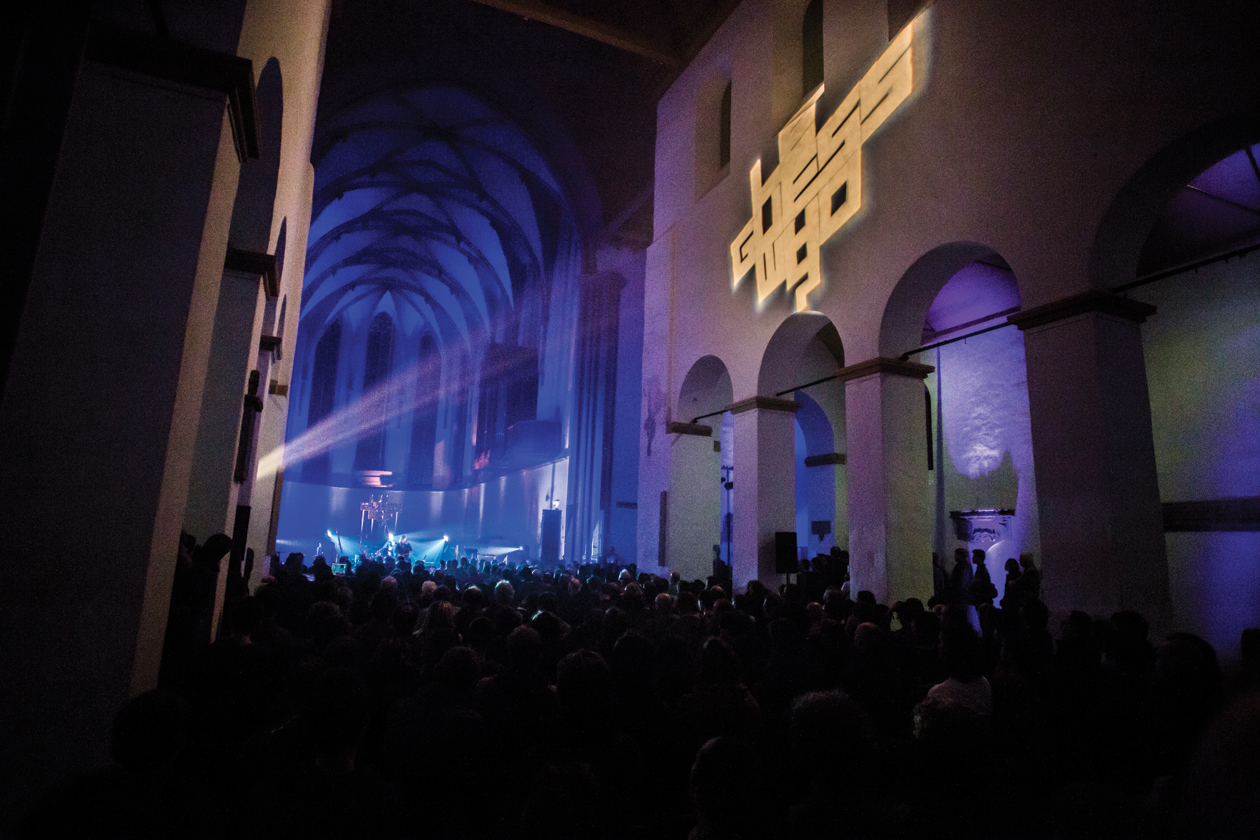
(593, 416)
(1102, 535)
(99, 412)
(765, 484)
(889, 492)
(693, 516)
(211, 491)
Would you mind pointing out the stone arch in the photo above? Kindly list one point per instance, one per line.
(1165, 241)
(800, 363)
(902, 326)
(978, 422)
(705, 389)
(806, 346)
(819, 477)
(1122, 233)
(694, 513)
(814, 425)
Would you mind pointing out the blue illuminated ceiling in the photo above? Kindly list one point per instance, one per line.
(431, 205)
(1216, 212)
(975, 295)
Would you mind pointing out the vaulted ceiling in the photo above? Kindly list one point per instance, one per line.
(580, 77)
(432, 207)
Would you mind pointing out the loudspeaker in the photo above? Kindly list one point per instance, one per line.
(550, 552)
(785, 552)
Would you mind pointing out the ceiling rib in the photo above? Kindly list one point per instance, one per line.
(622, 40)
(1223, 200)
(1255, 167)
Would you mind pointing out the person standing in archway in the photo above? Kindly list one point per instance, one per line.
(960, 579)
(982, 589)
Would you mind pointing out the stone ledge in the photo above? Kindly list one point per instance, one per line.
(884, 364)
(252, 262)
(1234, 514)
(1091, 301)
(162, 58)
(698, 429)
(763, 404)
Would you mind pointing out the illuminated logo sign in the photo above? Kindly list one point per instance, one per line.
(817, 186)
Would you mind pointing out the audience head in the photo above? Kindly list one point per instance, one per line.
(961, 654)
(724, 780)
(584, 685)
(830, 734)
(718, 663)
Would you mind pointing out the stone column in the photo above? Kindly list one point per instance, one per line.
(99, 413)
(212, 493)
(592, 420)
(1101, 524)
(765, 489)
(889, 490)
(694, 504)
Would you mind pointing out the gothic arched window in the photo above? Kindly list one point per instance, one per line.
(323, 392)
(424, 420)
(370, 454)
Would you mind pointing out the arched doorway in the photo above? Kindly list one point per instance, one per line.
(819, 472)
(801, 365)
(700, 467)
(1184, 237)
(949, 313)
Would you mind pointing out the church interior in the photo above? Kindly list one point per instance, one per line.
(792, 367)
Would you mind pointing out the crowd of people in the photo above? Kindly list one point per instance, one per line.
(485, 699)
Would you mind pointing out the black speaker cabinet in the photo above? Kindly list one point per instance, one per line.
(785, 552)
(550, 553)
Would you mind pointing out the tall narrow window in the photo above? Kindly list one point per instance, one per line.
(370, 454)
(323, 394)
(724, 128)
(812, 47)
(424, 418)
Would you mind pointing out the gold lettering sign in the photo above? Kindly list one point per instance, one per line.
(817, 186)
